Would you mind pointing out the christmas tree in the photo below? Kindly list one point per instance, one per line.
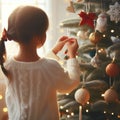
(97, 28)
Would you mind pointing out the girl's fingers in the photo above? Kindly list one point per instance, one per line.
(63, 38)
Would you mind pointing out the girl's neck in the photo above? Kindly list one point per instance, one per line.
(27, 53)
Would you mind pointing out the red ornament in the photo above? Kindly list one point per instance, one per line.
(112, 69)
(87, 19)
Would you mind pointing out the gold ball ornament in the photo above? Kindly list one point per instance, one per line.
(82, 96)
(112, 69)
(95, 37)
(110, 95)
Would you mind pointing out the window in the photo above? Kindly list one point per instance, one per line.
(7, 6)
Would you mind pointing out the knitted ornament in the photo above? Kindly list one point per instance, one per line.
(95, 37)
(87, 19)
(112, 69)
(114, 12)
(82, 95)
(101, 23)
(111, 95)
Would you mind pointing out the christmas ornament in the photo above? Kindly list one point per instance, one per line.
(111, 95)
(101, 23)
(114, 12)
(95, 61)
(84, 32)
(87, 18)
(71, 8)
(80, 0)
(92, 53)
(82, 96)
(112, 69)
(95, 37)
(83, 35)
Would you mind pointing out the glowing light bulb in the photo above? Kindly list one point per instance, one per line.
(87, 110)
(104, 35)
(112, 31)
(112, 113)
(72, 114)
(61, 107)
(5, 109)
(68, 116)
(88, 102)
(104, 112)
(67, 93)
(102, 95)
(1, 97)
(67, 110)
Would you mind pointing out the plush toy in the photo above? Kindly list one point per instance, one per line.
(101, 23)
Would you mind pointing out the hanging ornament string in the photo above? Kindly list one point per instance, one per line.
(83, 79)
(87, 7)
(102, 6)
(110, 82)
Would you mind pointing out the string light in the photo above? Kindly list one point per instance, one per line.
(112, 31)
(5, 109)
(1, 97)
(88, 102)
(67, 110)
(68, 116)
(104, 112)
(72, 114)
(112, 113)
(67, 93)
(61, 107)
(102, 95)
(87, 110)
(104, 35)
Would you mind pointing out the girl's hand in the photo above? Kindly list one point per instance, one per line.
(72, 47)
(60, 44)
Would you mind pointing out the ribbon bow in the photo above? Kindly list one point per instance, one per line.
(87, 18)
(4, 35)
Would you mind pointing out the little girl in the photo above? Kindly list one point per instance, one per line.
(32, 81)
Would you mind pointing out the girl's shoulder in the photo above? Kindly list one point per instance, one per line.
(51, 61)
(46, 62)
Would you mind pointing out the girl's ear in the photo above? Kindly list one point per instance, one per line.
(39, 40)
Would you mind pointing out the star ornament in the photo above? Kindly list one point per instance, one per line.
(87, 19)
(114, 12)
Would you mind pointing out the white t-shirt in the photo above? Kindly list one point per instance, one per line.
(32, 86)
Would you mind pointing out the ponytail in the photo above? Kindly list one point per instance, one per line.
(3, 51)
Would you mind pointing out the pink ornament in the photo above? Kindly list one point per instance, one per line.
(82, 96)
(111, 95)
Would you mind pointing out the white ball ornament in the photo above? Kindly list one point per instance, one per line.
(83, 35)
(82, 96)
(111, 95)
